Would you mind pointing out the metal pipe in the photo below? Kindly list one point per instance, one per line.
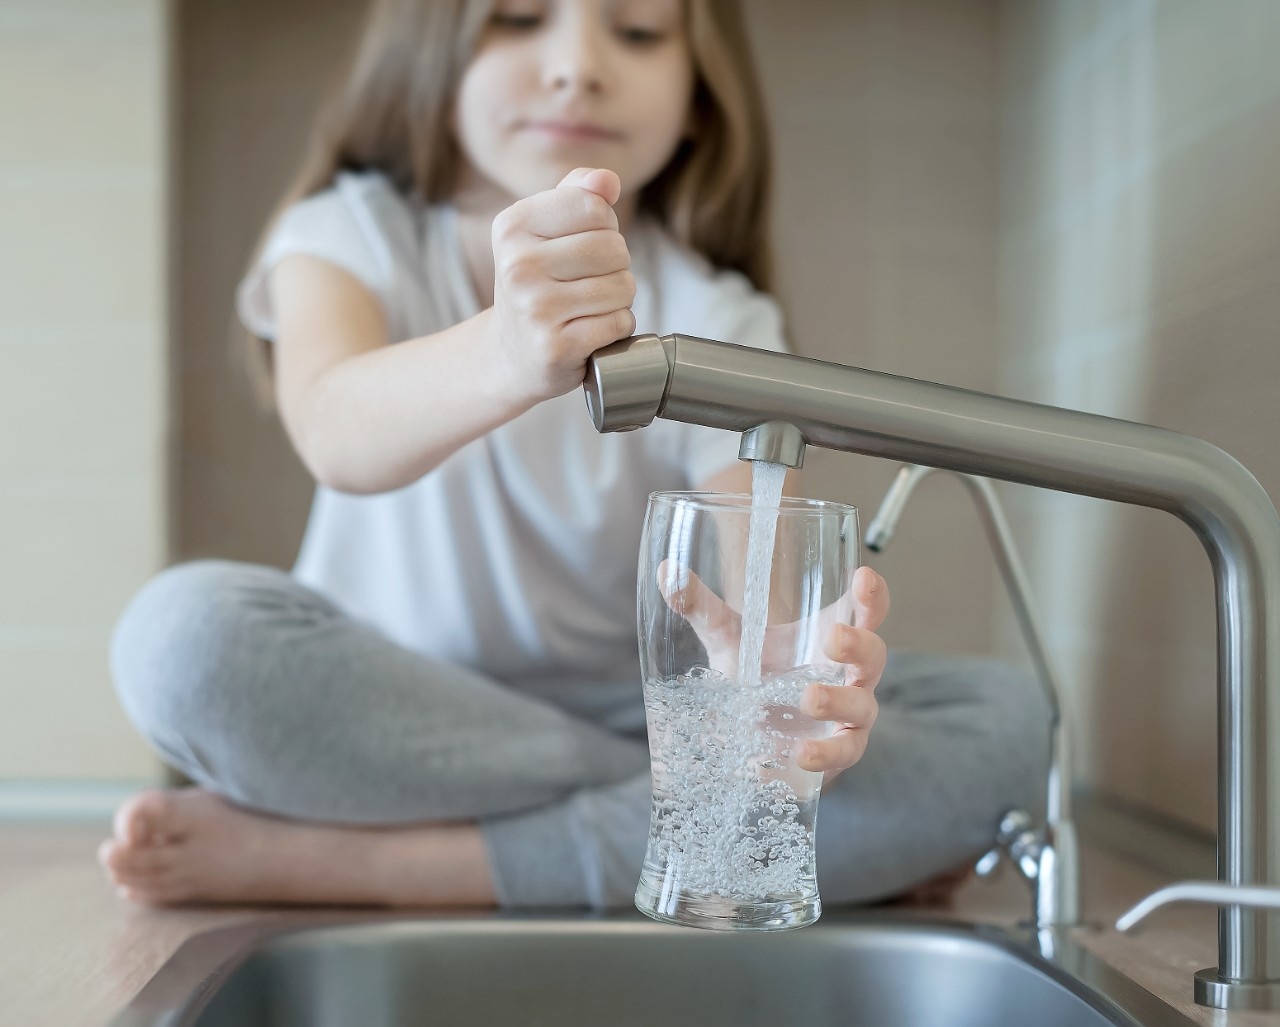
(860, 411)
(1214, 892)
(1056, 879)
(1003, 549)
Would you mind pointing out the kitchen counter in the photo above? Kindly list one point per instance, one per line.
(72, 953)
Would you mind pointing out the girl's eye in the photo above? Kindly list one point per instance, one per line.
(640, 36)
(516, 22)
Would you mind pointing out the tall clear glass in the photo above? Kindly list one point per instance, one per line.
(731, 834)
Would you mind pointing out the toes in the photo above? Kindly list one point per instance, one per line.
(146, 818)
(144, 895)
(129, 864)
(151, 894)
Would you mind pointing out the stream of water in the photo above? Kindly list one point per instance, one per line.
(766, 497)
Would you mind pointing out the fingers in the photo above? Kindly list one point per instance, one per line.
(856, 707)
(585, 298)
(862, 651)
(832, 755)
(855, 711)
(870, 599)
(604, 183)
(586, 255)
(685, 593)
(583, 202)
(562, 283)
(857, 646)
(590, 333)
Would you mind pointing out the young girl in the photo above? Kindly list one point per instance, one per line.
(441, 705)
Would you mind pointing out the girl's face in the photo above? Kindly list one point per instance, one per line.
(560, 84)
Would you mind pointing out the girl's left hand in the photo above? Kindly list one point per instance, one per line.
(851, 706)
(854, 709)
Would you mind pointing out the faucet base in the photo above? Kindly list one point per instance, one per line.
(1218, 993)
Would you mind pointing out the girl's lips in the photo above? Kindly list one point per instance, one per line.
(571, 130)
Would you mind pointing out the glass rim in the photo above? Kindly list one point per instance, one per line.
(744, 502)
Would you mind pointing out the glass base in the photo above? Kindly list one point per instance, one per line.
(657, 897)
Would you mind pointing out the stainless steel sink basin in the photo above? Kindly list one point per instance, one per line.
(849, 969)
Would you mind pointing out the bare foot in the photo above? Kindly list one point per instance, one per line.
(188, 845)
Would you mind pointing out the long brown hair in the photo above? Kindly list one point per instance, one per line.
(391, 113)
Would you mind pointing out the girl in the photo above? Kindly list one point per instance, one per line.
(441, 705)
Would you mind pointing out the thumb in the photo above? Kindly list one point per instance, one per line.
(687, 595)
(601, 181)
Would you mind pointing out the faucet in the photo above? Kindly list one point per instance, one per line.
(1047, 858)
(780, 400)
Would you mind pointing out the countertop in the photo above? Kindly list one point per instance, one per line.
(73, 954)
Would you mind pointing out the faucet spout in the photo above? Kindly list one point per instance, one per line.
(859, 411)
(776, 442)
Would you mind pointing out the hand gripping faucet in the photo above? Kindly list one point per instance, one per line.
(781, 403)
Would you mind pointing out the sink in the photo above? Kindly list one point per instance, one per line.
(852, 969)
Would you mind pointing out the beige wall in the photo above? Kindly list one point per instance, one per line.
(1140, 278)
(82, 342)
(886, 123)
(250, 75)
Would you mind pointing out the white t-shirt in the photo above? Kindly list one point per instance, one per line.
(517, 555)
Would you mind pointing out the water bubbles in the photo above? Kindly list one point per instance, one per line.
(731, 809)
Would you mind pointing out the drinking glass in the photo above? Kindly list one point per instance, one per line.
(731, 833)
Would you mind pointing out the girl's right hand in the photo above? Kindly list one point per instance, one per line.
(562, 285)
(855, 645)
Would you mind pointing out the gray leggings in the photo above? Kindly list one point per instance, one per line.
(265, 692)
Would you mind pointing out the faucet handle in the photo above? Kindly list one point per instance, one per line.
(1016, 829)
(988, 864)
(1014, 824)
(625, 383)
(1218, 893)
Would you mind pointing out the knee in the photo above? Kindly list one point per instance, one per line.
(176, 639)
(979, 694)
(992, 717)
(1013, 719)
(962, 741)
(1011, 694)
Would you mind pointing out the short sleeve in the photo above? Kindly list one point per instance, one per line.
(332, 226)
(740, 315)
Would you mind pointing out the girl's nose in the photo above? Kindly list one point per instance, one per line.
(575, 58)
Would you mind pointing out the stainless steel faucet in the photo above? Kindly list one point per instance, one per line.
(1046, 857)
(739, 389)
